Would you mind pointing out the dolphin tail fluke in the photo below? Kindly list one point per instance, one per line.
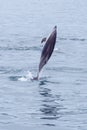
(37, 77)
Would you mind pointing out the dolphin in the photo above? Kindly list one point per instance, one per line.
(47, 50)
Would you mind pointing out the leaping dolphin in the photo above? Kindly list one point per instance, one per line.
(47, 50)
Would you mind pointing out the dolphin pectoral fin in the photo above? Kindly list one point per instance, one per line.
(43, 40)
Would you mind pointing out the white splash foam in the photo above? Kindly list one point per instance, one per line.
(22, 79)
(55, 49)
(27, 77)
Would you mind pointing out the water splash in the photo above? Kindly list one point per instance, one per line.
(27, 77)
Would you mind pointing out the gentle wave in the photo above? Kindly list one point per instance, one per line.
(25, 48)
(14, 78)
(5, 70)
(72, 39)
(68, 69)
(44, 81)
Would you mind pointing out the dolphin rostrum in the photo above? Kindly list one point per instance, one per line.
(47, 50)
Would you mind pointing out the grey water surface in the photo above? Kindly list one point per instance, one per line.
(58, 101)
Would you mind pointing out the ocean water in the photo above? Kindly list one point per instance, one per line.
(58, 100)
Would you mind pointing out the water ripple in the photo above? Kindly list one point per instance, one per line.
(5, 70)
(72, 39)
(19, 48)
(14, 78)
(51, 105)
(68, 69)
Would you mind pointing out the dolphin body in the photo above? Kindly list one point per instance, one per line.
(47, 50)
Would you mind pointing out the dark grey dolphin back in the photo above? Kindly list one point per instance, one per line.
(48, 48)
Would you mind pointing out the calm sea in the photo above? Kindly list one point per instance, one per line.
(58, 100)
